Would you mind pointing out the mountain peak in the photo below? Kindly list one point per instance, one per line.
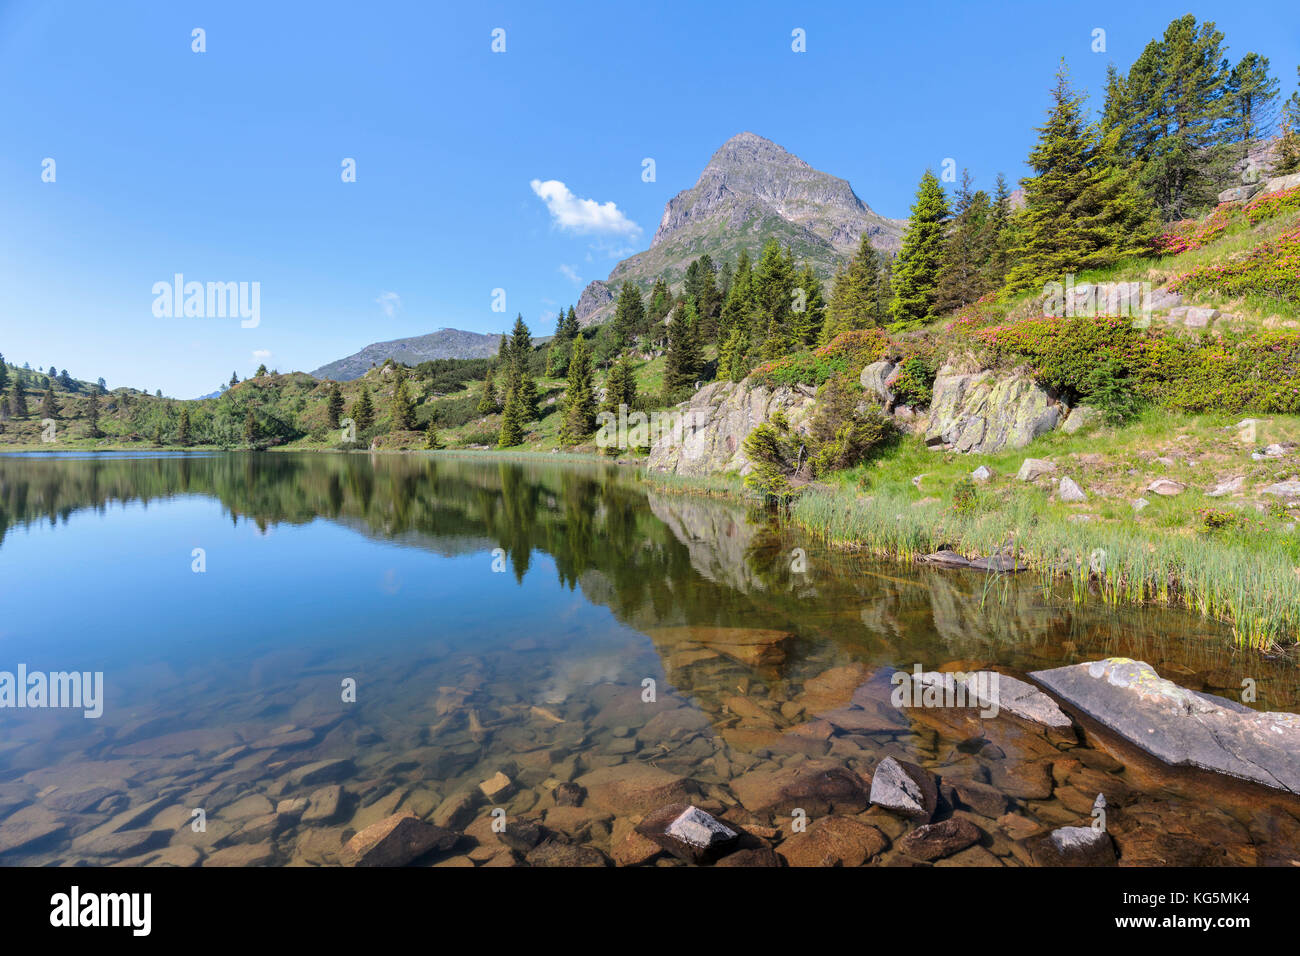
(751, 190)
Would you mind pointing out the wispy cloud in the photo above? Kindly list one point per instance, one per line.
(260, 355)
(390, 302)
(583, 216)
(571, 274)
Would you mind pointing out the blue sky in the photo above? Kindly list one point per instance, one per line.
(224, 166)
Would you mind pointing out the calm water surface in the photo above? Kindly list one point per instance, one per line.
(500, 617)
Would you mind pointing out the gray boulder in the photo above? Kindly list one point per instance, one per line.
(1032, 468)
(982, 412)
(1179, 726)
(873, 380)
(1080, 416)
(1069, 490)
(905, 788)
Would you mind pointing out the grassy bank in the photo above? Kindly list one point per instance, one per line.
(1232, 558)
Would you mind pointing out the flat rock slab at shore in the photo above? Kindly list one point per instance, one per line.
(1180, 726)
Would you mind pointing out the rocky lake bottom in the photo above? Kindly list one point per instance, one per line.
(549, 665)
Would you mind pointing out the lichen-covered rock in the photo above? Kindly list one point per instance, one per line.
(1181, 726)
(982, 412)
(717, 419)
(873, 380)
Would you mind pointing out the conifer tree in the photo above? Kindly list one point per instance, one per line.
(512, 420)
(995, 267)
(620, 386)
(579, 418)
(855, 295)
(808, 320)
(49, 404)
(183, 436)
(431, 440)
(682, 365)
(629, 315)
(916, 270)
(363, 410)
(732, 363)
(334, 405)
(966, 251)
(661, 303)
(234, 379)
(740, 305)
(4, 373)
(487, 403)
(403, 409)
(92, 416)
(520, 381)
(1288, 151)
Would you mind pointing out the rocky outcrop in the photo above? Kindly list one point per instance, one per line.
(984, 412)
(709, 431)
(1180, 726)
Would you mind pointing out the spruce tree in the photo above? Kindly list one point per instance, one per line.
(363, 410)
(403, 409)
(629, 315)
(49, 404)
(4, 373)
(487, 403)
(808, 321)
(334, 405)
(916, 270)
(1288, 150)
(92, 416)
(773, 288)
(740, 304)
(732, 363)
(995, 267)
(682, 365)
(521, 348)
(579, 418)
(661, 303)
(512, 420)
(620, 386)
(855, 301)
(431, 440)
(966, 251)
(234, 379)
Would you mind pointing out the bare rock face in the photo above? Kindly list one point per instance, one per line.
(1181, 726)
(716, 421)
(983, 412)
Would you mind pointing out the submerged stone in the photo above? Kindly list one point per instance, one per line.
(1180, 726)
(905, 788)
(689, 833)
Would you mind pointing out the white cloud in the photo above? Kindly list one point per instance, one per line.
(260, 355)
(584, 216)
(571, 274)
(390, 302)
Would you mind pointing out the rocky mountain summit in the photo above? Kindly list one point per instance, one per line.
(751, 190)
(442, 344)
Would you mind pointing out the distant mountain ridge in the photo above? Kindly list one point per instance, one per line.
(442, 344)
(750, 191)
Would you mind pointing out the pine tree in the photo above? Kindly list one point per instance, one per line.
(1288, 151)
(808, 320)
(682, 365)
(1252, 101)
(739, 308)
(620, 386)
(661, 303)
(995, 268)
(261, 370)
(403, 409)
(916, 270)
(629, 315)
(334, 405)
(431, 440)
(1177, 104)
(487, 403)
(92, 416)
(774, 283)
(49, 404)
(966, 251)
(234, 379)
(363, 410)
(521, 348)
(732, 363)
(183, 437)
(4, 373)
(855, 299)
(512, 420)
(579, 418)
